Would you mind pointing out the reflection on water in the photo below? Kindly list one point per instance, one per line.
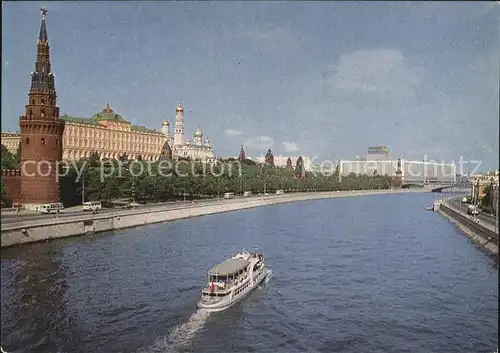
(34, 296)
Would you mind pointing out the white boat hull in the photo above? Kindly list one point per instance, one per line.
(230, 300)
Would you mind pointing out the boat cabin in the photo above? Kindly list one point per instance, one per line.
(224, 276)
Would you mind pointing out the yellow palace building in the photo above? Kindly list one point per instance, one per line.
(111, 136)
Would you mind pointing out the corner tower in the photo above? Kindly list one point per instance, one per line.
(41, 132)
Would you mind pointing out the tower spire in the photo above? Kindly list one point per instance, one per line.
(242, 156)
(42, 37)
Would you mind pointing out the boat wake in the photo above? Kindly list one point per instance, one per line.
(269, 275)
(181, 335)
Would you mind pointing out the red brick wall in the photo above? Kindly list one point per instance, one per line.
(12, 181)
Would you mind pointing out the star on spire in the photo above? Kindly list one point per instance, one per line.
(42, 37)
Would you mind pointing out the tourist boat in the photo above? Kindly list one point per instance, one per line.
(232, 280)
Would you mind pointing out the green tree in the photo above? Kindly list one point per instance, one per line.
(8, 159)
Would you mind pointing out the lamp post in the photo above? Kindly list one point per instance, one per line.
(156, 189)
(477, 194)
(495, 208)
(83, 189)
(241, 185)
(218, 191)
(133, 194)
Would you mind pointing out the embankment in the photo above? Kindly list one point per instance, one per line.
(79, 225)
(478, 233)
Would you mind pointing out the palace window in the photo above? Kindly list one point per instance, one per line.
(57, 142)
(43, 101)
(43, 141)
(27, 140)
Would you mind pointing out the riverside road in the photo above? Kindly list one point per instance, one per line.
(484, 218)
(374, 274)
(19, 219)
(25, 219)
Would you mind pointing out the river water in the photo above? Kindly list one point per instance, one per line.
(361, 274)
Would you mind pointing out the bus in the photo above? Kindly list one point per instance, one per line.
(91, 206)
(229, 195)
(50, 208)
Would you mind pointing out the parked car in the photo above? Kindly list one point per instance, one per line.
(473, 210)
(132, 205)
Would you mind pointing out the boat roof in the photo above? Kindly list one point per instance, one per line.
(229, 266)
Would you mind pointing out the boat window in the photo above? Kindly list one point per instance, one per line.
(225, 279)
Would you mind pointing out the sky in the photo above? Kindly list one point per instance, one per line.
(318, 79)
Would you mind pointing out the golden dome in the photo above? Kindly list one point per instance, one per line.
(198, 133)
(165, 122)
(179, 108)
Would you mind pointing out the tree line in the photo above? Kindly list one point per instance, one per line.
(193, 180)
(186, 179)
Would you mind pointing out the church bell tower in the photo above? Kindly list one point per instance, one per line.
(41, 132)
(179, 126)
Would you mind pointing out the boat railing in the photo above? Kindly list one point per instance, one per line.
(224, 286)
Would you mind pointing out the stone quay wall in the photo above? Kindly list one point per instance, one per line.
(479, 234)
(88, 224)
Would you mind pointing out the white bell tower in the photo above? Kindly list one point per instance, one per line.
(179, 126)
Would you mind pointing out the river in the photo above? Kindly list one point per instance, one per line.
(359, 274)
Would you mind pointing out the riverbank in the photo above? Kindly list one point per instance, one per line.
(41, 230)
(479, 234)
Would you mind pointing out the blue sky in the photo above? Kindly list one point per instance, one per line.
(319, 79)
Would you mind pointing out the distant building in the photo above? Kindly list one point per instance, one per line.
(269, 159)
(282, 162)
(181, 148)
(300, 171)
(378, 153)
(112, 136)
(411, 172)
(242, 156)
(11, 140)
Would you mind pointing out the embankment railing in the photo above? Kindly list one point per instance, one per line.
(479, 229)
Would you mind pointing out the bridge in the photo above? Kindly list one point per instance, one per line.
(460, 187)
(434, 187)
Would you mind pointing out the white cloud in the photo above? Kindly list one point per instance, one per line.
(290, 146)
(259, 143)
(487, 149)
(232, 132)
(375, 71)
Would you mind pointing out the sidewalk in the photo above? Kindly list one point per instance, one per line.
(480, 221)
